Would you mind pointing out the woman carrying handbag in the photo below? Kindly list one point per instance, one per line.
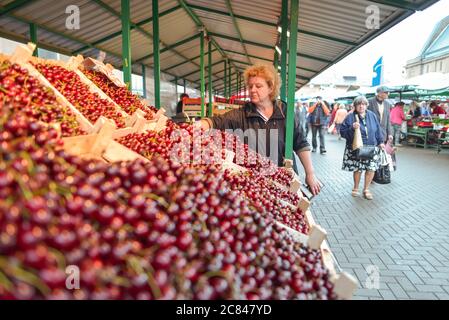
(364, 139)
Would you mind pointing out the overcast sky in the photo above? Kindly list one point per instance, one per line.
(397, 45)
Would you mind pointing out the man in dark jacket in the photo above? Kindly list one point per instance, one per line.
(179, 105)
(381, 108)
(318, 118)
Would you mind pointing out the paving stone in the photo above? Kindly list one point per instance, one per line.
(406, 239)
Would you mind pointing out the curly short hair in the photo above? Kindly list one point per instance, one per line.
(267, 72)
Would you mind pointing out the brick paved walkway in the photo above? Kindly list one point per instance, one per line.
(403, 232)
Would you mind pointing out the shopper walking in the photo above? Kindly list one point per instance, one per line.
(340, 116)
(318, 118)
(397, 117)
(381, 108)
(265, 112)
(372, 135)
(301, 112)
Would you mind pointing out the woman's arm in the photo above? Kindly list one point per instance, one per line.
(311, 180)
(346, 129)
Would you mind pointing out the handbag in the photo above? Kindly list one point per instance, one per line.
(362, 152)
(382, 175)
(331, 129)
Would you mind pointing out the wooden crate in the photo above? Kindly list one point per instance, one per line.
(21, 56)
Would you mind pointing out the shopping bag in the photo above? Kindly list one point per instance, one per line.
(357, 143)
(331, 129)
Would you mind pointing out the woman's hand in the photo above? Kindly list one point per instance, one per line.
(313, 184)
(382, 146)
(356, 125)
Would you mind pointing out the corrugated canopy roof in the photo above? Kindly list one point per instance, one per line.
(243, 32)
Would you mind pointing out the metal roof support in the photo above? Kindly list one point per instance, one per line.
(33, 38)
(144, 81)
(156, 57)
(181, 63)
(400, 4)
(190, 73)
(170, 47)
(229, 79)
(133, 26)
(276, 60)
(218, 35)
(176, 87)
(271, 24)
(226, 78)
(184, 85)
(249, 55)
(236, 26)
(209, 56)
(306, 69)
(126, 43)
(313, 57)
(284, 49)
(203, 110)
(291, 79)
(14, 5)
(199, 23)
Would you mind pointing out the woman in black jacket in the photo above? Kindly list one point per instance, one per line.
(266, 115)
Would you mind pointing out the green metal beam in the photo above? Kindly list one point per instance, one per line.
(249, 55)
(14, 5)
(170, 47)
(33, 38)
(156, 58)
(291, 79)
(226, 78)
(126, 43)
(203, 110)
(271, 24)
(400, 4)
(223, 36)
(209, 56)
(184, 62)
(306, 69)
(144, 81)
(117, 14)
(284, 49)
(140, 29)
(184, 84)
(119, 33)
(193, 72)
(200, 24)
(25, 40)
(229, 78)
(236, 26)
(64, 35)
(313, 57)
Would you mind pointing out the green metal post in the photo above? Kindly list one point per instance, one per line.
(126, 42)
(225, 79)
(284, 48)
(238, 84)
(276, 61)
(144, 80)
(33, 37)
(156, 57)
(291, 79)
(176, 87)
(184, 84)
(203, 111)
(229, 80)
(209, 55)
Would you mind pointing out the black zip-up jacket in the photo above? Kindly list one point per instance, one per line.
(248, 117)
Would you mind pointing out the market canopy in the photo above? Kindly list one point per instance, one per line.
(242, 32)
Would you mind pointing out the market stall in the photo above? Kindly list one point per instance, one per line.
(135, 222)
